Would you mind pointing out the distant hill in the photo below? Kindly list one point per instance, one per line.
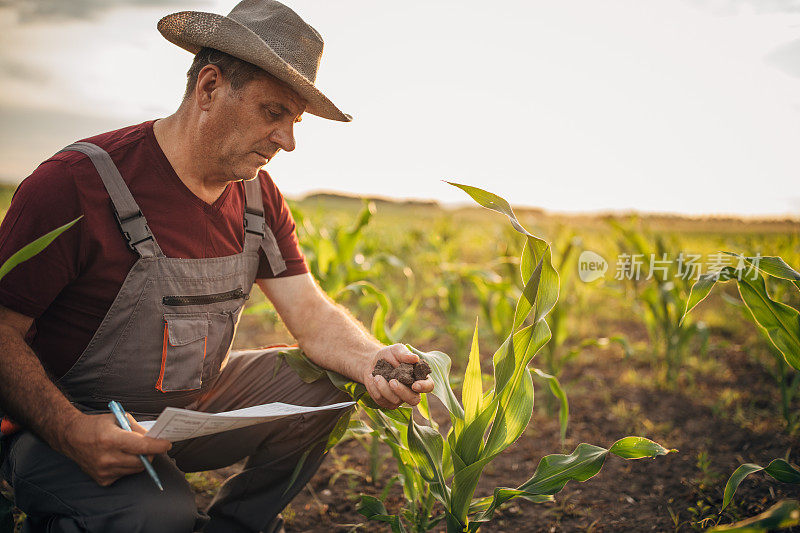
(336, 197)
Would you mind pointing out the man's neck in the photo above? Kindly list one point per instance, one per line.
(183, 153)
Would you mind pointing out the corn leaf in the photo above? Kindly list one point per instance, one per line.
(560, 395)
(469, 443)
(771, 265)
(424, 407)
(782, 515)
(537, 249)
(529, 296)
(33, 248)
(372, 508)
(472, 389)
(638, 448)
(426, 447)
(515, 398)
(440, 372)
(780, 322)
(554, 471)
(702, 287)
(777, 468)
(302, 365)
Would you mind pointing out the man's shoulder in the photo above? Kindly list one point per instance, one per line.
(111, 141)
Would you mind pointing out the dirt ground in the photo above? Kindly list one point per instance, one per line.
(723, 413)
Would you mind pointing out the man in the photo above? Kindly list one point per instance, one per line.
(139, 301)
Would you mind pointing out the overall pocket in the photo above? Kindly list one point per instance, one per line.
(183, 352)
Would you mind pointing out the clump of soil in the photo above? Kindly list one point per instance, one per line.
(406, 373)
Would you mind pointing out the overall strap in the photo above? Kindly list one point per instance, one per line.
(129, 217)
(256, 230)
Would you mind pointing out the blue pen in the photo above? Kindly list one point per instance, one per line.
(116, 408)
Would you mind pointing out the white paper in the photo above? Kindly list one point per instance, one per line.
(175, 424)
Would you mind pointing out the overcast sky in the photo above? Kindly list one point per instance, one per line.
(672, 106)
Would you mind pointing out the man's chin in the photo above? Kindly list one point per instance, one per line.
(248, 174)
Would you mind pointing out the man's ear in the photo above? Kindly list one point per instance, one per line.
(209, 81)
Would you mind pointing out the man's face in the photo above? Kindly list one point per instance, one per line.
(246, 128)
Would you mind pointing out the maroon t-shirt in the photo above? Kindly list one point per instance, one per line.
(69, 287)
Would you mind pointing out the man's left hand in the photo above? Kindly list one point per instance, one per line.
(392, 394)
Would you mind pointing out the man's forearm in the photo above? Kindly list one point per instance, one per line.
(336, 340)
(26, 393)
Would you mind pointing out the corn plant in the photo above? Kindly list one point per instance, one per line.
(662, 299)
(440, 472)
(331, 251)
(22, 255)
(781, 325)
(785, 376)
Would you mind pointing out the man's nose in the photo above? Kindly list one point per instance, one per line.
(283, 136)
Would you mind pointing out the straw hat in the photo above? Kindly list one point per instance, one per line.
(265, 33)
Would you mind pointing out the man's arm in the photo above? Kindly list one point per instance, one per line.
(333, 339)
(101, 448)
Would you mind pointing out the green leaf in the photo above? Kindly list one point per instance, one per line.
(373, 509)
(773, 266)
(702, 287)
(426, 445)
(783, 471)
(515, 395)
(472, 389)
(560, 395)
(529, 296)
(379, 329)
(302, 365)
(536, 250)
(326, 254)
(297, 469)
(782, 515)
(493, 202)
(554, 471)
(777, 468)
(637, 448)
(30, 250)
(780, 322)
(342, 425)
(440, 374)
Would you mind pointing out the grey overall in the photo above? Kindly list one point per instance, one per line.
(166, 341)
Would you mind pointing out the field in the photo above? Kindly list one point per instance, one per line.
(713, 388)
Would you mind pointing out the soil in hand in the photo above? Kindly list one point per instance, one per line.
(406, 373)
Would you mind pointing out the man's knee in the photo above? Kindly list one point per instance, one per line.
(52, 490)
(171, 511)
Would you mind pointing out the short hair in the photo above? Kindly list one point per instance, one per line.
(235, 70)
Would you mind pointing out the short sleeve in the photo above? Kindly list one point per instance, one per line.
(43, 201)
(279, 218)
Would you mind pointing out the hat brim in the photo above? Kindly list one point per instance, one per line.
(193, 30)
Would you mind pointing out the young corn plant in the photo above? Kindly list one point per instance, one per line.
(663, 291)
(781, 325)
(440, 471)
(331, 251)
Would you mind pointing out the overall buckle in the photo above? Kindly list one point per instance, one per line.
(254, 222)
(134, 228)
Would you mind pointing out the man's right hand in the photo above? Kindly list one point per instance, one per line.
(105, 451)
